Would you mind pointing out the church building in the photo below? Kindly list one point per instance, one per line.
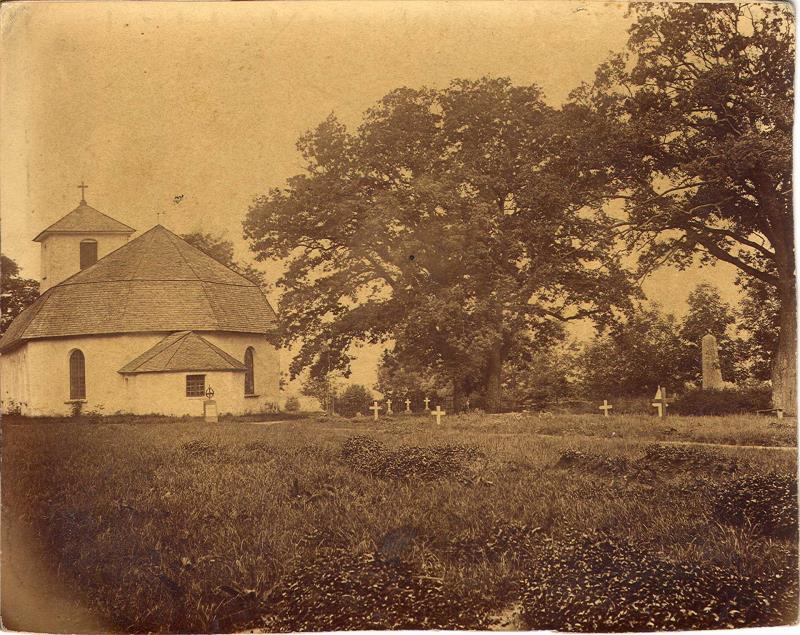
(141, 326)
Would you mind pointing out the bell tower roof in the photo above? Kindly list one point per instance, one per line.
(85, 220)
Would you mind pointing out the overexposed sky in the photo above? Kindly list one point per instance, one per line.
(147, 101)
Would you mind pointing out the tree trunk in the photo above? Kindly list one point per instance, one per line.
(494, 379)
(784, 366)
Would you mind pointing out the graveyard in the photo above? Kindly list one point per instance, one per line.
(512, 521)
(484, 321)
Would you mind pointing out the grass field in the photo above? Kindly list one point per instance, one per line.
(573, 522)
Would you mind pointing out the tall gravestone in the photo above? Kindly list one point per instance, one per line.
(712, 375)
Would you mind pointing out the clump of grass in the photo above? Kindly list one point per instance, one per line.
(369, 456)
(766, 502)
(592, 582)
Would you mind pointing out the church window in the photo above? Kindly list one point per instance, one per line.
(88, 253)
(249, 376)
(195, 385)
(77, 375)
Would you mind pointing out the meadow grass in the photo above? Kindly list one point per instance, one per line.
(193, 527)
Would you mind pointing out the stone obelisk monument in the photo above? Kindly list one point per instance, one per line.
(712, 375)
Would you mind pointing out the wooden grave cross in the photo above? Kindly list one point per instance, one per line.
(389, 410)
(375, 408)
(408, 405)
(427, 401)
(661, 401)
(438, 413)
(605, 407)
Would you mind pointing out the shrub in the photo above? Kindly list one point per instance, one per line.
(356, 398)
(686, 458)
(339, 590)
(721, 402)
(592, 582)
(292, 404)
(766, 502)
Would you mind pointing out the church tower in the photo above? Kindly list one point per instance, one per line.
(77, 241)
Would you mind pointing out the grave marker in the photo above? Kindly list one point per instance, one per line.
(605, 407)
(712, 375)
(438, 413)
(427, 401)
(210, 407)
(661, 401)
(389, 410)
(408, 405)
(375, 407)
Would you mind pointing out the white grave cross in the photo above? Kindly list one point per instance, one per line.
(438, 413)
(408, 405)
(389, 410)
(661, 402)
(427, 401)
(605, 407)
(375, 408)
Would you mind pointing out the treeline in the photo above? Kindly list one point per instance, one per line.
(629, 359)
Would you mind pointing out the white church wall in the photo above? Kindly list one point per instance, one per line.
(14, 380)
(104, 355)
(37, 375)
(266, 367)
(61, 254)
(165, 393)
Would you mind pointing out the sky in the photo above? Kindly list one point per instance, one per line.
(149, 101)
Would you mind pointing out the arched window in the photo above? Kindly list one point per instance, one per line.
(249, 374)
(88, 253)
(77, 375)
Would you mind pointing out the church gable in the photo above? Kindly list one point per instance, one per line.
(183, 351)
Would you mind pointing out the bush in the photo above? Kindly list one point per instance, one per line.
(768, 503)
(356, 398)
(292, 404)
(341, 591)
(592, 582)
(727, 401)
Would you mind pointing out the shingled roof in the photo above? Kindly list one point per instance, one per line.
(181, 352)
(85, 220)
(155, 283)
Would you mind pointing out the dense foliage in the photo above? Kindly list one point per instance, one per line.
(16, 293)
(355, 399)
(700, 107)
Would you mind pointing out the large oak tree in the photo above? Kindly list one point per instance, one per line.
(699, 124)
(451, 221)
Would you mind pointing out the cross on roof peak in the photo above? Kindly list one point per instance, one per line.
(82, 187)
